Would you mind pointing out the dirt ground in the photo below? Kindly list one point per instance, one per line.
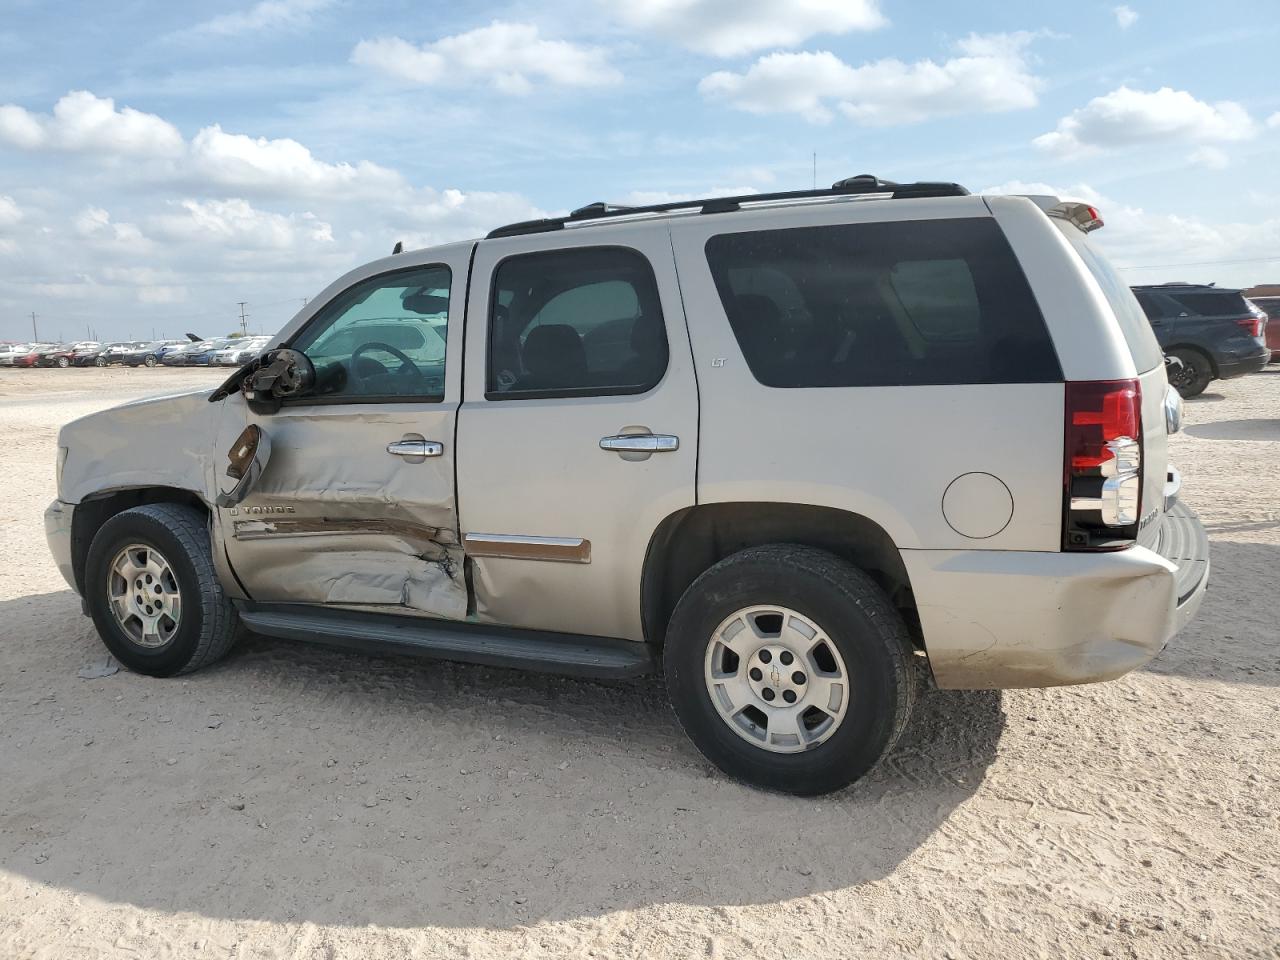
(294, 802)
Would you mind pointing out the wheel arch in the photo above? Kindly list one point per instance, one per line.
(95, 510)
(691, 540)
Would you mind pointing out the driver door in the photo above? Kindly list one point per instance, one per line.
(355, 506)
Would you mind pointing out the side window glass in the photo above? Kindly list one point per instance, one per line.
(938, 298)
(581, 322)
(881, 304)
(383, 338)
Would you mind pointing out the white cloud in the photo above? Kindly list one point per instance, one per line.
(990, 74)
(94, 224)
(218, 220)
(1273, 121)
(92, 126)
(727, 28)
(265, 15)
(511, 57)
(1125, 16)
(279, 166)
(82, 123)
(1125, 117)
(1212, 158)
(10, 212)
(236, 222)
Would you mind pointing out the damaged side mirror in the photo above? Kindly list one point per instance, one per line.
(246, 460)
(278, 376)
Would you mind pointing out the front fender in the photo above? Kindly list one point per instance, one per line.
(158, 442)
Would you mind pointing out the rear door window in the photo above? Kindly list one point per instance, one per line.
(882, 304)
(579, 322)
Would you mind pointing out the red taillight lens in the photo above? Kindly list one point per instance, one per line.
(1098, 412)
(1102, 464)
(1252, 325)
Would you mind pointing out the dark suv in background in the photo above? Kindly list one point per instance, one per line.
(1216, 333)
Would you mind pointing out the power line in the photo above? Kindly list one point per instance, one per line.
(1201, 263)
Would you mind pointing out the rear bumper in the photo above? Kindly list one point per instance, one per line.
(57, 530)
(1004, 619)
(1238, 366)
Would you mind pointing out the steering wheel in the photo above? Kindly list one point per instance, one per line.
(407, 366)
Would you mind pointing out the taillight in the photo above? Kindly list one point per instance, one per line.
(1252, 325)
(1102, 464)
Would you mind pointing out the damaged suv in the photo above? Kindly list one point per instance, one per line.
(802, 452)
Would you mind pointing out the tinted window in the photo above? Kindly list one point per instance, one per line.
(882, 304)
(1213, 304)
(384, 337)
(582, 322)
(1133, 321)
(1271, 305)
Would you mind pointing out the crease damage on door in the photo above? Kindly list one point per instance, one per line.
(342, 537)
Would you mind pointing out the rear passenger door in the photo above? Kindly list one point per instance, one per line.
(578, 431)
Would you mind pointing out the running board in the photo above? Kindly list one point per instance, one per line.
(563, 653)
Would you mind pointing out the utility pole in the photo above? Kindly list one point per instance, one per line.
(815, 170)
(243, 319)
(35, 334)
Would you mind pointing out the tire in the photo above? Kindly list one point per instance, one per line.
(151, 361)
(866, 637)
(100, 362)
(205, 627)
(64, 362)
(1197, 372)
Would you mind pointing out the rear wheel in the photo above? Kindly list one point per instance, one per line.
(789, 669)
(1195, 375)
(153, 593)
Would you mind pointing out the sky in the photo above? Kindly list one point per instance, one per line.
(162, 162)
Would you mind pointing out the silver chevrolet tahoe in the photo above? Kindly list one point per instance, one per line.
(802, 452)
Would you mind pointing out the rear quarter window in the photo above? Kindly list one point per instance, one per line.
(882, 304)
(1133, 321)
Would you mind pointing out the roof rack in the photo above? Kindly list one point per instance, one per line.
(864, 184)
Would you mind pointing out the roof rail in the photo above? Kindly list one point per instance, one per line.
(864, 184)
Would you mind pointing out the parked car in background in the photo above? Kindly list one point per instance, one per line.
(1214, 331)
(1271, 307)
(150, 354)
(31, 358)
(196, 354)
(240, 351)
(11, 351)
(51, 355)
(112, 353)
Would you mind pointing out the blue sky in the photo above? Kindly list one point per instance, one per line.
(160, 162)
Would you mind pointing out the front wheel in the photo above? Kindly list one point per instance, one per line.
(1195, 375)
(153, 593)
(151, 361)
(100, 362)
(64, 362)
(789, 669)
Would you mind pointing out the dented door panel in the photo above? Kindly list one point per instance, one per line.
(336, 518)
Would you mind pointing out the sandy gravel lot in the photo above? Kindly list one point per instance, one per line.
(294, 802)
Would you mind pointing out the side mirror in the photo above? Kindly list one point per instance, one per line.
(279, 375)
(246, 460)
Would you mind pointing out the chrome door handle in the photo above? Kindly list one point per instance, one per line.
(415, 448)
(641, 443)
